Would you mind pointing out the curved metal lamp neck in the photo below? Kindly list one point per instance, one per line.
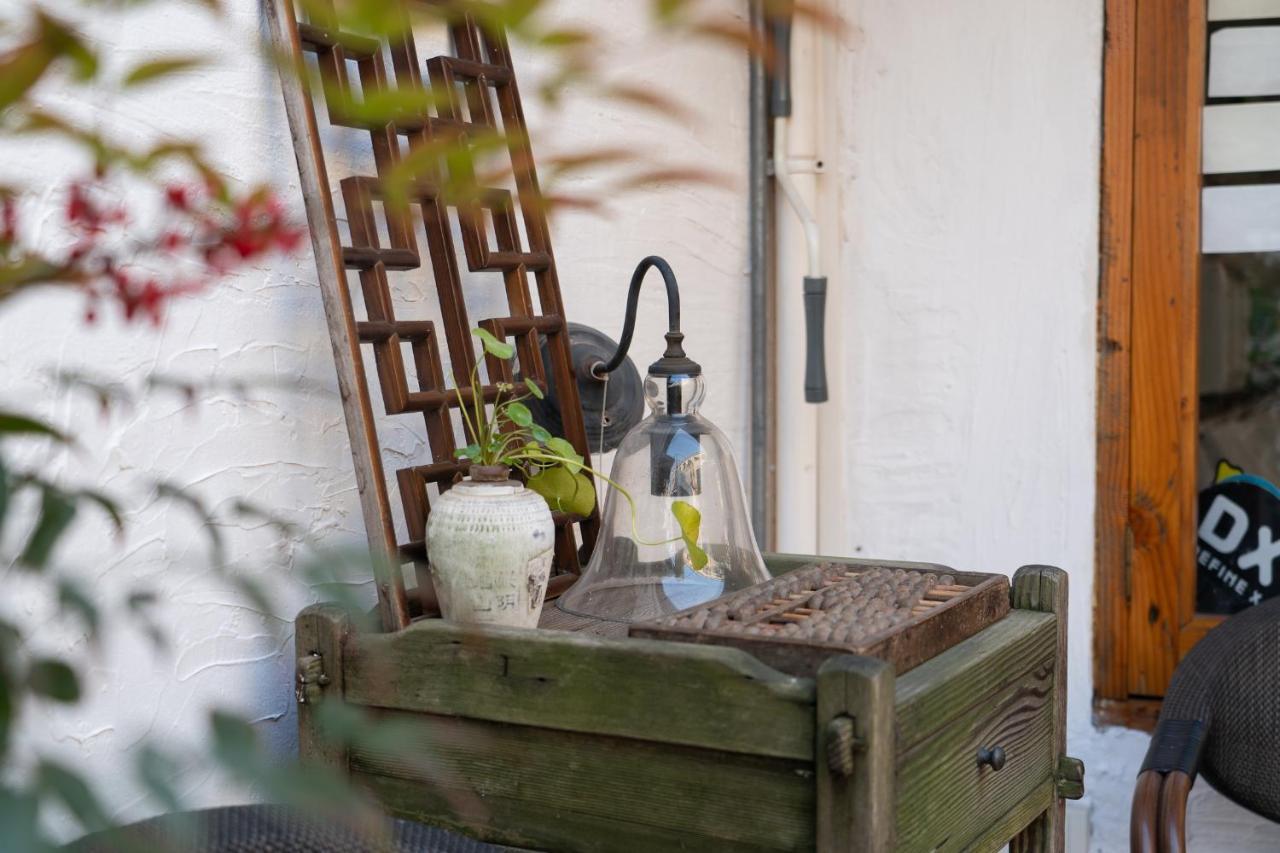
(674, 362)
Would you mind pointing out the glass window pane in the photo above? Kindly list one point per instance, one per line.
(1239, 459)
(1241, 138)
(1244, 61)
(1235, 10)
(1240, 219)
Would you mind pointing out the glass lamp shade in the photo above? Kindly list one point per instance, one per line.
(643, 570)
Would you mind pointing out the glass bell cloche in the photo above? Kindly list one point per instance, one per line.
(643, 565)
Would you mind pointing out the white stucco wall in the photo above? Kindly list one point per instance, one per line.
(962, 143)
(961, 146)
(284, 444)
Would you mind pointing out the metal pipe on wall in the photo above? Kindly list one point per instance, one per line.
(760, 205)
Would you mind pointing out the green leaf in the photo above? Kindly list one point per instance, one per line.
(156, 69)
(19, 807)
(565, 491)
(6, 713)
(493, 346)
(14, 423)
(155, 769)
(564, 449)
(533, 388)
(56, 513)
(65, 785)
(518, 414)
(690, 521)
(539, 433)
(71, 598)
(53, 679)
(107, 505)
(235, 744)
(5, 491)
(471, 451)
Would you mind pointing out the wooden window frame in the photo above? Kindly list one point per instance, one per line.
(1153, 91)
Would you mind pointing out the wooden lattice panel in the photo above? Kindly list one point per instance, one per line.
(471, 95)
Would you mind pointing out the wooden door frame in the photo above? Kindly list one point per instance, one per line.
(1153, 90)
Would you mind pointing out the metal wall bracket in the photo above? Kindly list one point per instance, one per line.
(311, 678)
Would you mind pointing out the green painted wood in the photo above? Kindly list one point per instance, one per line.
(1043, 589)
(705, 696)
(932, 694)
(1070, 778)
(1014, 821)
(572, 791)
(321, 629)
(855, 811)
(946, 798)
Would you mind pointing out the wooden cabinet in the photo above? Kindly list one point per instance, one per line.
(560, 741)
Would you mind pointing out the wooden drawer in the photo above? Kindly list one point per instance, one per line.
(996, 690)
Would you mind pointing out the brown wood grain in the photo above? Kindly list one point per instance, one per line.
(1044, 589)
(322, 630)
(1166, 226)
(856, 812)
(1173, 812)
(475, 96)
(1144, 814)
(1147, 346)
(393, 607)
(1111, 634)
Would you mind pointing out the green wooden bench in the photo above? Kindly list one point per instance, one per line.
(565, 741)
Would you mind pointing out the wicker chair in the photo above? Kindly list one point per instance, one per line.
(1221, 718)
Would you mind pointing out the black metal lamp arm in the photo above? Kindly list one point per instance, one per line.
(673, 361)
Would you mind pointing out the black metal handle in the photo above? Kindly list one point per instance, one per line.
(673, 360)
(815, 349)
(991, 756)
(780, 73)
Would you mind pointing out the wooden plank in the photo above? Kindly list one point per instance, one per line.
(573, 791)
(1170, 48)
(946, 798)
(1014, 821)
(1140, 714)
(393, 608)
(323, 630)
(710, 697)
(1194, 630)
(855, 702)
(1044, 589)
(1111, 634)
(930, 696)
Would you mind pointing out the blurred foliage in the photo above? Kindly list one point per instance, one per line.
(209, 228)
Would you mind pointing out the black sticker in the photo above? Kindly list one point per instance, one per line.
(1237, 543)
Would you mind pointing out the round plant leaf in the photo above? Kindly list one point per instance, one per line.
(518, 414)
(533, 388)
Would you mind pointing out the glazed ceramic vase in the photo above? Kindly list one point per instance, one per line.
(490, 543)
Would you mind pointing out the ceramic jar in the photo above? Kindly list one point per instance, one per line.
(490, 544)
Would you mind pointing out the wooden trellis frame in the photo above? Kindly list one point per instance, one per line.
(481, 68)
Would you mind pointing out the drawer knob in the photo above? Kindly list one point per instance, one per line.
(992, 756)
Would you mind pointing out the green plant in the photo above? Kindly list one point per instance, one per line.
(506, 434)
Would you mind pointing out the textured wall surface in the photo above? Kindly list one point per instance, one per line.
(965, 161)
(962, 172)
(283, 443)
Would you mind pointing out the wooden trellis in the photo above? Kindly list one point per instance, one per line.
(469, 96)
